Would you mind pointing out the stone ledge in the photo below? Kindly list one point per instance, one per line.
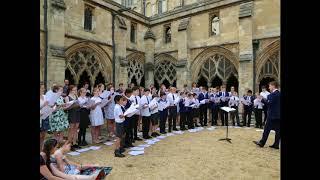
(121, 22)
(183, 24)
(59, 4)
(123, 61)
(245, 57)
(149, 35)
(148, 66)
(182, 63)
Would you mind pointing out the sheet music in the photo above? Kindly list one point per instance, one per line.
(227, 109)
(46, 111)
(105, 94)
(131, 110)
(104, 102)
(72, 104)
(243, 101)
(52, 98)
(204, 101)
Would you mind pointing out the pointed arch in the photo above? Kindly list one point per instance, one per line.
(89, 57)
(165, 68)
(135, 67)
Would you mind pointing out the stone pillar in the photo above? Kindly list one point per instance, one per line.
(183, 53)
(56, 52)
(149, 55)
(245, 48)
(120, 37)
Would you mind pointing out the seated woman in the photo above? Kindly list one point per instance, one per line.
(49, 171)
(69, 167)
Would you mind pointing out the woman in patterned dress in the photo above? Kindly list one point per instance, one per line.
(59, 119)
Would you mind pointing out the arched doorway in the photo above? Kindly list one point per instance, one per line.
(88, 62)
(165, 70)
(268, 65)
(232, 81)
(216, 82)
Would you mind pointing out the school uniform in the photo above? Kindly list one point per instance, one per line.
(195, 112)
(84, 120)
(182, 111)
(214, 106)
(145, 113)
(234, 103)
(154, 113)
(163, 111)
(247, 111)
(171, 98)
(258, 108)
(224, 114)
(128, 127)
(119, 110)
(188, 112)
(203, 108)
(135, 118)
(265, 94)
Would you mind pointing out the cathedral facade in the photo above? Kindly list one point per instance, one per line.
(175, 42)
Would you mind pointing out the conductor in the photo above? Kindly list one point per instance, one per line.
(273, 118)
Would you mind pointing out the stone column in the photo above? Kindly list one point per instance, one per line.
(56, 31)
(120, 38)
(245, 48)
(183, 53)
(149, 55)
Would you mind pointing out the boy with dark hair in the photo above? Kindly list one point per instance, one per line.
(119, 119)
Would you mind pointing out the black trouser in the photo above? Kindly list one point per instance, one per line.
(129, 131)
(163, 119)
(189, 119)
(268, 127)
(183, 120)
(258, 117)
(135, 120)
(247, 112)
(172, 116)
(214, 116)
(265, 111)
(235, 114)
(145, 126)
(224, 117)
(203, 114)
(82, 133)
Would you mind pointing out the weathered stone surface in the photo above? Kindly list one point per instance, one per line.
(245, 9)
(183, 24)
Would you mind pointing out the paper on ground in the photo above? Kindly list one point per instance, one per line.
(83, 150)
(170, 134)
(211, 128)
(144, 145)
(137, 148)
(108, 143)
(260, 130)
(158, 129)
(135, 153)
(161, 137)
(95, 147)
(73, 153)
(178, 132)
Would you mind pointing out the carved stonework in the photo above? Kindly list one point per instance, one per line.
(59, 4)
(57, 51)
(184, 24)
(165, 68)
(246, 57)
(245, 9)
(121, 22)
(182, 63)
(123, 61)
(149, 35)
(149, 66)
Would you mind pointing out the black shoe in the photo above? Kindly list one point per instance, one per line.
(131, 145)
(72, 148)
(163, 132)
(258, 143)
(149, 137)
(76, 146)
(146, 137)
(169, 131)
(117, 153)
(274, 147)
(84, 143)
(122, 150)
(138, 139)
(175, 129)
(196, 125)
(248, 125)
(157, 134)
(133, 141)
(206, 125)
(256, 127)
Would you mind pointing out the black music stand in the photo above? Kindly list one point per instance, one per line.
(226, 139)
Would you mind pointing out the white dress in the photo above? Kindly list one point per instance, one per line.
(96, 116)
(109, 108)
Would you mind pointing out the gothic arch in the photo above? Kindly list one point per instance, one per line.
(135, 66)
(89, 57)
(214, 61)
(165, 68)
(268, 62)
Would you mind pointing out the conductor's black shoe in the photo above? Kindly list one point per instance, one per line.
(258, 143)
(274, 147)
(138, 139)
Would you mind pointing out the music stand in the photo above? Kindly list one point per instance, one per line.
(226, 139)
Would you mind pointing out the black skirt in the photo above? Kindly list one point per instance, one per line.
(84, 118)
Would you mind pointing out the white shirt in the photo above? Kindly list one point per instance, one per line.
(155, 105)
(162, 104)
(264, 94)
(145, 111)
(234, 101)
(117, 113)
(257, 103)
(170, 99)
(82, 100)
(133, 100)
